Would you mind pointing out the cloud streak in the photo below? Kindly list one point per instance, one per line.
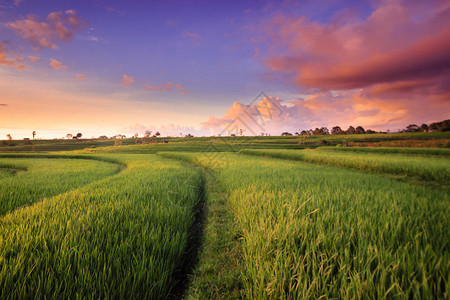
(10, 58)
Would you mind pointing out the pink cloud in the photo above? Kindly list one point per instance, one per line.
(397, 58)
(34, 58)
(81, 76)
(57, 65)
(164, 88)
(127, 81)
(58, 27)
(182, 90)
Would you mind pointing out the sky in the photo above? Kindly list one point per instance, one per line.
(103, 67)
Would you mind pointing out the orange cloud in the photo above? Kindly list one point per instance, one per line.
(182, 90)
(34, 58)
(58, 27)
(16, 61)
(57, 65)
(81, 76)
(127, 81)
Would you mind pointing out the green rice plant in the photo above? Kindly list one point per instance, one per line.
(312, 231)
(424, 168)
(31, 180)
(124, 236)
(392, 150)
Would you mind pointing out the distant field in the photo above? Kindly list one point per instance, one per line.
(424, 168)
(232, 144)
(226, 218)
(393, 150)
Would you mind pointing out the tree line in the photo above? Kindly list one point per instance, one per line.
(433, 127)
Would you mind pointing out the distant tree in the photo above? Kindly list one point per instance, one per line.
(424, 128)
(9, 137)
(69, 136)
(79, 135)
(337, 130)
(351, 130)
(189, 135)
(440, 126)
(34, 134)
(103, 137)
(147, 134)
(304, 132)
(296, 133)
(286, 134)
(324, 131)
(316, 131)
(157, 133)
(370, 131)
(360, 130)
(412, 128)
(136, 136)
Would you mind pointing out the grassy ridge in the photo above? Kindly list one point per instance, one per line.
(423, 168)
(392, 150)
(121, 237)
(42, 178)
(312, 231)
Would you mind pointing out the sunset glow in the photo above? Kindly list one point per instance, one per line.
(108, 67)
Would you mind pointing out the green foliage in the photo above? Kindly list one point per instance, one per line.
(124, 236)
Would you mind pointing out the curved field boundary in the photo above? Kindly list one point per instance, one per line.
(125, 236)
(423, 168)
(391, 150)
(45, 177)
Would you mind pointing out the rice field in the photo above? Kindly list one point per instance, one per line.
(215, 224)
(311, 231)
(123, 236)
(435, 169)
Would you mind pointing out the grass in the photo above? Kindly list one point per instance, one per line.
(424, 168)
(124, 236)
(311, 231)
(40, 178)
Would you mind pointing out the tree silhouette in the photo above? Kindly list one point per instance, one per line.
(337, 130)
(79, 135)
(9, 136)
(69, 136)
(351, 130)
(360, 130)
(34, 134)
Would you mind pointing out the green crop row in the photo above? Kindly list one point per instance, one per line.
(424, 168)
(392, 150)
(320, 232)
(35, 179)
(124, 236)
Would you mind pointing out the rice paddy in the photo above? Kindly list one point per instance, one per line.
(217, 224)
